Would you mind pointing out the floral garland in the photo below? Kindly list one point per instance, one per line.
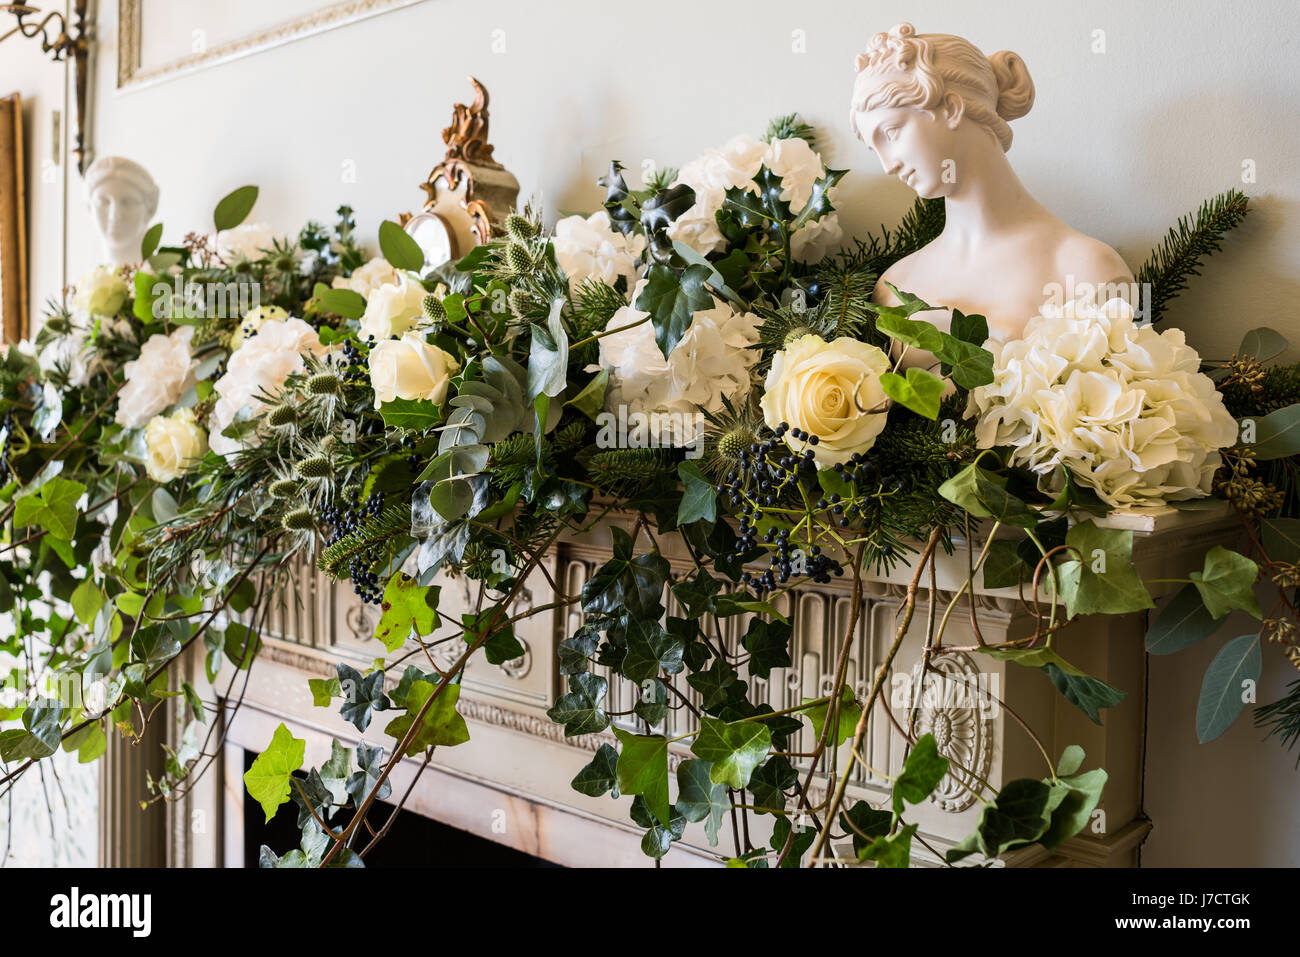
(691, 360)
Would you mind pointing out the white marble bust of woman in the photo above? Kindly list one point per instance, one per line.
(935, 110)
(123, 198)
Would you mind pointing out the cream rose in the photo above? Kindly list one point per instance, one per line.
(366, 279)
(253, 320)
(157, 379)
(392, 309)
(173, 444)
(831, 390)
(410, 368)
(101, 292)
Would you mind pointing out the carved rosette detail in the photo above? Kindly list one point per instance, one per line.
(956, 708)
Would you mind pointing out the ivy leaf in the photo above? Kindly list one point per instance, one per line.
(699, 495)
(892, 850)
(696, 594)
(370, 761)
(652, 702)
(714, 685)
(41, 734)
(442, 724)
(1105, 580)
(600, 774)
(579, 710)
(700, 798)
(768, 644)
(361, 695)
(650, 649)
(734, 749)
(924, 768)
(406, 605)
(1003, 567)
(267, 779)
(920, 391)
(1017, 816)
(399, 247)
(973, 329)
(591, 400)
(1222, 691)
(866, 824)
(672, 300)
(1072, 814)
(803, 838)
(334, 772)
(770, 781)
(624, 582)
(970, 366)
(52, 507)
(845, 722)
(1182, 623)
(658, 839)
(896, 322)
(1227, 582)
(234, 209)
(502, 646)
(1086, 693)
(984, 494)
(323, 691)
(643, 769)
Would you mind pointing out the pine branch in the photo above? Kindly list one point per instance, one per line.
(1282, 718)
(392, 522)
(1195, 236)
(789, 127)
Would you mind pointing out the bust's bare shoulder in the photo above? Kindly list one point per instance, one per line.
(1090, 260)
(897, 275)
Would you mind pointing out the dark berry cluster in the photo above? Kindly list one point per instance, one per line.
(413, 459)
(351, 363)
(344, 519)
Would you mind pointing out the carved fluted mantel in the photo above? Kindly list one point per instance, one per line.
(511, 782)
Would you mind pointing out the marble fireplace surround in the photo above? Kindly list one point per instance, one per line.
(510, 782)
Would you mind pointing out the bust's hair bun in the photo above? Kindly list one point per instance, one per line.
(1015, 88)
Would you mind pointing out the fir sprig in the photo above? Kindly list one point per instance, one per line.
(1195, 236)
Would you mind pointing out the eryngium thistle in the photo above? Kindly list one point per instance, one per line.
(433, 308)
(323, 383)
(316, 467)
(517, 258)
(520, 301)
(282, 415)
(519, 228)
(299, 520)
(284, 488)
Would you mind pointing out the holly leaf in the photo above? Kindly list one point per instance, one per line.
(415, 415)
(734, 749)
(267, 779)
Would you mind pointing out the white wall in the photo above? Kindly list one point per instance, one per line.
(1120, 144)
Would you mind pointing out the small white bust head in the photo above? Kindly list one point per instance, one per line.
(922, 101)
(123, 199)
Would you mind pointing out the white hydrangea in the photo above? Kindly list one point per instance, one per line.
(734, 166)
(712, 361)
(1121, 406)
(260, 367)
(366, 279)
(592, 248)
(157, 379)
(246, 241)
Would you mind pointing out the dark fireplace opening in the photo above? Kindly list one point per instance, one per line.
(412, 841)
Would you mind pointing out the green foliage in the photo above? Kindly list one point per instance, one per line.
(1193, 238)
(269, 778)
(1224, 688)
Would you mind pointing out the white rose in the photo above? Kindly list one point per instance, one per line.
(712, 361)
(831, 390)
(246, 241)
(366, 279)
(1121, 407)
(101, 292)
(392, 309)
(410, 368)
(157, 379)
(592, 248)
(260, 367)
(173, 444)
(253, 320)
